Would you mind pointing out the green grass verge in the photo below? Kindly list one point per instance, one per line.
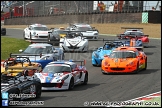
(11, 45)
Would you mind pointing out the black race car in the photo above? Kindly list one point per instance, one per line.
(55, 35)
(19, 85)
(3, 31)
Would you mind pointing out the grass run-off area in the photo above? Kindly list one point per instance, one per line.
(153, 30)
(11, 45)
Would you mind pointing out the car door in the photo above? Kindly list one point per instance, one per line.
(75, 72)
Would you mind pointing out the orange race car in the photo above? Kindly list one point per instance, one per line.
(124, 60)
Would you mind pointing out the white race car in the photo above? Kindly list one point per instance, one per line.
(74, 42)
(87, 31)
(63, 75)
(36, 31)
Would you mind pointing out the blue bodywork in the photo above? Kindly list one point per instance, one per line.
(48, 53)
(98, 55)
(126, 42)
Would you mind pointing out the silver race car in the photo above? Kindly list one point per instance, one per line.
(87, 31)
(74, 41)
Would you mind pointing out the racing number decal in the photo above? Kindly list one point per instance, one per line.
(32, 89)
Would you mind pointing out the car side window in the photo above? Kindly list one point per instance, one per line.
(137, 53)
(73, 66)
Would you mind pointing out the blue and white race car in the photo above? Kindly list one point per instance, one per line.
(42, 53)
(98, 55)
(63, 75)
(132, 41)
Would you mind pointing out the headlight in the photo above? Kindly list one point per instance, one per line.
(65, 77)
(106, 63)
(95, 33)
(34, 33)
(131, 63)
(96, 55)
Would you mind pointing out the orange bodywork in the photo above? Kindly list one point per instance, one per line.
(124, 65)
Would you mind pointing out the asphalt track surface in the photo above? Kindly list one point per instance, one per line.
(118, 87)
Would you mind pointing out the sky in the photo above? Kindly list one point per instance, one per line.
(148, 5)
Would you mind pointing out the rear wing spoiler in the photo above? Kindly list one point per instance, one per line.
(20, 56)
(138, 48)
(11, 55)
(44, 41)
(130, 28)
(82, 62)
(28, 68)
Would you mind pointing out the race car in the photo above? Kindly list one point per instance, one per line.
(63, 75)
(56, 34)
(87, 31)
(98, 55)
(48, 52)
(74, 41)
(36, 31)
(14, 66)
(24, 86)
(124, 60)
(132, 41)
(3, 31)
(137, 32)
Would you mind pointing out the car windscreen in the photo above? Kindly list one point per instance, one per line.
(123, 54)
(38, 50)
(57, 69)
(134, 33)
(84, 28)
(40, 28)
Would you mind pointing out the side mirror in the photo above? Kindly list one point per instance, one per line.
(20, 50)
(55, 51)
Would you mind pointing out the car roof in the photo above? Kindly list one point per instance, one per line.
(133, 30)
(38, 25)
(40, 44)
(81, 25)
(125, 48)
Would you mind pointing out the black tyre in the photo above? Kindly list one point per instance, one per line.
(4, 34)
(24, 35)
(71, 85)
(38, 91)
(137, 69)
(85, 79)
(94, 65)
(145, 64)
